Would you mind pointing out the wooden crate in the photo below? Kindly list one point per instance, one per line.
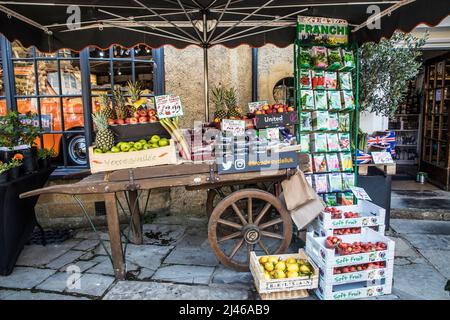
(389, 169)
(105, 162)
(290, 288)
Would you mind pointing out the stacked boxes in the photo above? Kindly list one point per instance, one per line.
(352, 276)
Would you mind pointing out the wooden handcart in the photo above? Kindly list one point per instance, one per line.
(243, 215)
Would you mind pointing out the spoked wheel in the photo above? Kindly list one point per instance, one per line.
(267, 230)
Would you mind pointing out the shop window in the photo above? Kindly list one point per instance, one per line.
(3, 106)
(283, 91)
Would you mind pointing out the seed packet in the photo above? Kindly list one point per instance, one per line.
(334, 100)
(348, 101)
(304, 143)
(318, 80)
(348, 60)
(344, 122)
(346, 162)
(271, 134)
(309, 179)
(331, 80)
(321, 183)
(320, 120)
(320, 100)
(305, 121)
(333, 162)
(307, 99)
(318, 142)
(319, 57)
(344, 141)
(333, 121)
(309, 167)
(335, 182)
(330, 199)
(305, 79)
(334, 59)
(348, 181)
(319, 162)
(345, 81)
(333, 142)
(304, 58)
(345, 199)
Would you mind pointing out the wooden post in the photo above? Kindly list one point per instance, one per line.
(112, 216)
(136, 227)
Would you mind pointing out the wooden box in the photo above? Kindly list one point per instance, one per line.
(104, 162)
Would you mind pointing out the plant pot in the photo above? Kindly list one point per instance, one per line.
(14, 173)
(30, 160)
(6, 155)
(4, 177)
(44, 163)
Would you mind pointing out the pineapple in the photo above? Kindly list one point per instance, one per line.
(231, 103)
(135, 102)
(121, 108)
(218, 100)
(106, 107)
(104, 139)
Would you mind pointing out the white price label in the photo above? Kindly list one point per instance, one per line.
(234, 127)
(360, 193)
(168, 106)
(253, 106)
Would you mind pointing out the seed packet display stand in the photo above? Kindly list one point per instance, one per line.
(263, 219)
(353, 114)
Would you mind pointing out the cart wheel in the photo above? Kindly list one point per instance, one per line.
(250, 232)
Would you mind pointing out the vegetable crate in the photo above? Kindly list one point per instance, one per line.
(319, 231)
(104, 162)
(370, 215)
(321, 255)
(290, 288)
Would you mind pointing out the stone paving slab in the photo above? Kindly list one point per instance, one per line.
(224, 275)
(57, 282)
(427, 241)
(402, 248)
(38, 255)
(148, 256)
(83, 265)
(133, 290)
(28, 295)
(89, 234)
(93, 285)
(67, 258)
(184, 274)
(25, 277)
(161, 234)
(86, 245)
(105, 267)
(192, 256)
(420, 226)
(440, 259)
(421, 281)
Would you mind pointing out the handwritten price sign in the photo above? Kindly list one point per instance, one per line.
(168, 106)
(253, 106)
(234, 127)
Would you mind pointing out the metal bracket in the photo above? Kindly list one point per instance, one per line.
(212, 174)
(131, 186)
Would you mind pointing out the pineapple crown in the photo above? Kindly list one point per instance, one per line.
(134, 90)
(104, 100)
(100, 121)
(119, 99)
(230, 97)
(218, 97)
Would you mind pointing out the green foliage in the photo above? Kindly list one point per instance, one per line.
(386, 69)
(46, 153)
(17, 129)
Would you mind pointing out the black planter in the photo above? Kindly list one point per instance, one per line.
(14, 173)
(6, 155)
(30, 160)
(44, 163)
(4, 177)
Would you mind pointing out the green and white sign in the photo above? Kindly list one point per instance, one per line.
(318, 30)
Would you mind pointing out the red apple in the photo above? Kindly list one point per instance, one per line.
(133, 120)
(151, 112)
(128, 120)
(290, 109)
(111, 122)
(153, 119)
(143, 119)
(280, 109)
(136, 114)
(142, 113)
(120, 121)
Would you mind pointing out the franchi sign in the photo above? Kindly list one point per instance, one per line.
(318, 30)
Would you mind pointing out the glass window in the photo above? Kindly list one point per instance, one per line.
(70, 77)
(24, 78)
(19, 51)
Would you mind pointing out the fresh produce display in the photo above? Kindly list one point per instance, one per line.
(319, 57)
(344, 231)
(230, 100)
(359, 247)
(104, 138)
(320, 100)
(274, 268)
(172, 126)
(217, 97)
(131, 146)
(273, 108)
(360, 267)
(338, 214)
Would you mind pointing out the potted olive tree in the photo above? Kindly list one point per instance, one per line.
(28, 135)
(10, 135)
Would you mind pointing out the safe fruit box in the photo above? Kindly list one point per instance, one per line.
(370, 215)
(317, 250)
(287, 284)
(319, 231)
(355, 290)
(103, 162)
(262, 121)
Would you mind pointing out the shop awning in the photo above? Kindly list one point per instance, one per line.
(75, 24)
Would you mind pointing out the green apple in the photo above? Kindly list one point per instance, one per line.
(146, 146)
(108, 151)
(119, 144)
(115, 149)
(97, 150)
(138, 146)
(163, 142)
(155, 145)
(155, 139)
(131, 143)
(142, 141)
(125, 147)
(132, 149)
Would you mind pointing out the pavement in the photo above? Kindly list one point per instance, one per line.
(176, 262)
